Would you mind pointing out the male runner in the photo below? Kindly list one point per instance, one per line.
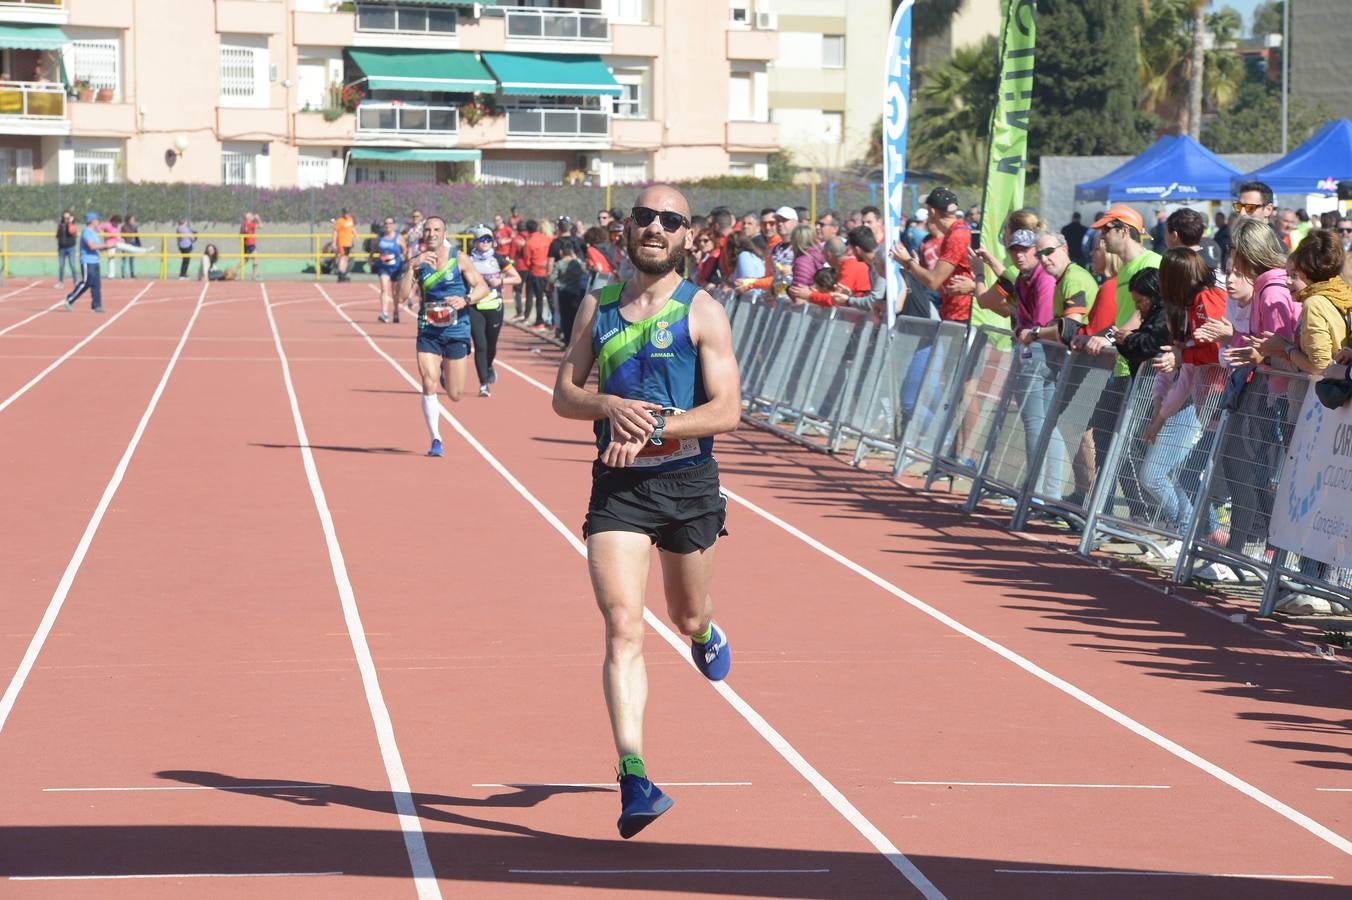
(668, 384)
(443, 320)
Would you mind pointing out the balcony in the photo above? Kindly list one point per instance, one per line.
(30, 108)
(35, 12)
(102, 119)
(321, 29)
(558, 126)
(556, 29)
(745, 44)
(406, 120)
(250, 16)
(752, 136)
(313, 128)
(387, 18)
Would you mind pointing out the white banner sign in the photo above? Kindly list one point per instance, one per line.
(1312, 512)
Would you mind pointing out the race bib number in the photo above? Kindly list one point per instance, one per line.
(665, 451)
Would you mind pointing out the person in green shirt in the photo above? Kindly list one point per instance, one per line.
(1075, 287)
(1120, 229)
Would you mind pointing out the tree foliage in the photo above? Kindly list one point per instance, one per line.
(1084, 92)
(951, 112)
(1267, 18)
(1166, 65)
(1254, 123)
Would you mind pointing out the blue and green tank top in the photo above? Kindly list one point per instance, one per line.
(438, 286)
(654, 360)
(391, 253)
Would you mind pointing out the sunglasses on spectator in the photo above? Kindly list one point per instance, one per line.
(1345, 230)
(483, 238)
(671, 221)
(1044, 252)
(1246, 208)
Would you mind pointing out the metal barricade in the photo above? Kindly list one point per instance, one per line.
(1024, 446)
(1151, 489)
(971, 417)
(875, 416)
(1083, 417)
(769, 369)
(747, 330)
(805, 366)
(837, 378)
(928, 387)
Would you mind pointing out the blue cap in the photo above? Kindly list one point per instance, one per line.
(91, 216)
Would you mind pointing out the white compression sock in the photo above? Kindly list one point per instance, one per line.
(432, 414)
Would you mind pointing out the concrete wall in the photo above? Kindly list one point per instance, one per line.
(1321, 32)
(1060, 174)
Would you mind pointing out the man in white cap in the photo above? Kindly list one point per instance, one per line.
(778, 253)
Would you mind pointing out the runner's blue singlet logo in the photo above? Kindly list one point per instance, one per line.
(662, 337)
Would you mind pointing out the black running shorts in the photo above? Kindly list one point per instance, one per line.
(681, 511)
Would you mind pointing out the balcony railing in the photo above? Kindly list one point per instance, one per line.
(396, 19)
(525, 23)
(404, 118)
(31, 100)
(566, 124)
(33, 4)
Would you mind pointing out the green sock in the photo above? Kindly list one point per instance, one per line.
(632, 765)
(706, 636)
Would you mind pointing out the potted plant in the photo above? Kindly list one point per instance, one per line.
(350, 97)
(84, 91)
(477, 109)
(104, 95)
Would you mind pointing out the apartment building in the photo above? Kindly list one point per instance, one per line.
(284, 93)
(826, 84)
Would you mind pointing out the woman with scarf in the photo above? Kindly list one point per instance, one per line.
(1325, 327)
(485, 317)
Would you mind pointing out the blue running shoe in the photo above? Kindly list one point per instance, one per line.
(641, 802)
(713, 659)
(436, 447)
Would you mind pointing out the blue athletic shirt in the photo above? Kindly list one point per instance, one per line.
(87, 237)
(653, 360)
(391, 254)
(438, 286)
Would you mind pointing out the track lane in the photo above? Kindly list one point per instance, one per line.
(525, 638)
(202, 646)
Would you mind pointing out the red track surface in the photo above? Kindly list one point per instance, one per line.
(198, 648)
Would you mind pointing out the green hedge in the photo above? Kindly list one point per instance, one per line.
(459, 203)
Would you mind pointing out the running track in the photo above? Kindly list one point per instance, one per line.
(253, 642)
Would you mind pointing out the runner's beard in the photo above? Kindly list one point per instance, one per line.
(634, 242)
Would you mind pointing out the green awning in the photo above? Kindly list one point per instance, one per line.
(414, 154)
(14, 36)
(550, 75)
(423, 70)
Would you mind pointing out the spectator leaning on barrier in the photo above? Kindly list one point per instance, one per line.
(1121, 228)
(807, 259)
(953, 264)
(1075, 290)
(1326, 306)
(749, 260)
(1259, 298)
(853, 278)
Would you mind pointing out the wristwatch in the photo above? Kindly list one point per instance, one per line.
(657, 432)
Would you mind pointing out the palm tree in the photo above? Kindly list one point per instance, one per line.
(1173, 47)
(953, 109)
(1197, 66)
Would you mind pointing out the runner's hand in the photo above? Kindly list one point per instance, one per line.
(630, 420)
(457, 302)
(621, 455)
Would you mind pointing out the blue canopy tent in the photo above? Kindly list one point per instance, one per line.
(1175, 167)
(1315, 167)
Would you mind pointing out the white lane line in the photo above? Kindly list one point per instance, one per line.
(668, 871)
(610, 784)
(1226, 777)
(82, 548)
(825, 788)
(89, 337)
(1133, 873)
(415, 845)
(30, 284)
(236, 787)
(1336, 790)
(174, 875)
(1032, 784)
(37, 315)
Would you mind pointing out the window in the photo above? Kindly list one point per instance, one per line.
(833, 124)
(16, 165)
(632, 11)
(740, 97)
(799, 50)
(632, 104)
(522, 171)
(243, 63)
(316, 169)
(741, 169)
(627, 171)
(237, 168)
(95, 62)
(739, 13)
(833, 51)
(96, 166)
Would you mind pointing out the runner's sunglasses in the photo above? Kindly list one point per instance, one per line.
(671, 221)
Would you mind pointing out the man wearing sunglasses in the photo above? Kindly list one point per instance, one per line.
(668, 383)
(1255, 201)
